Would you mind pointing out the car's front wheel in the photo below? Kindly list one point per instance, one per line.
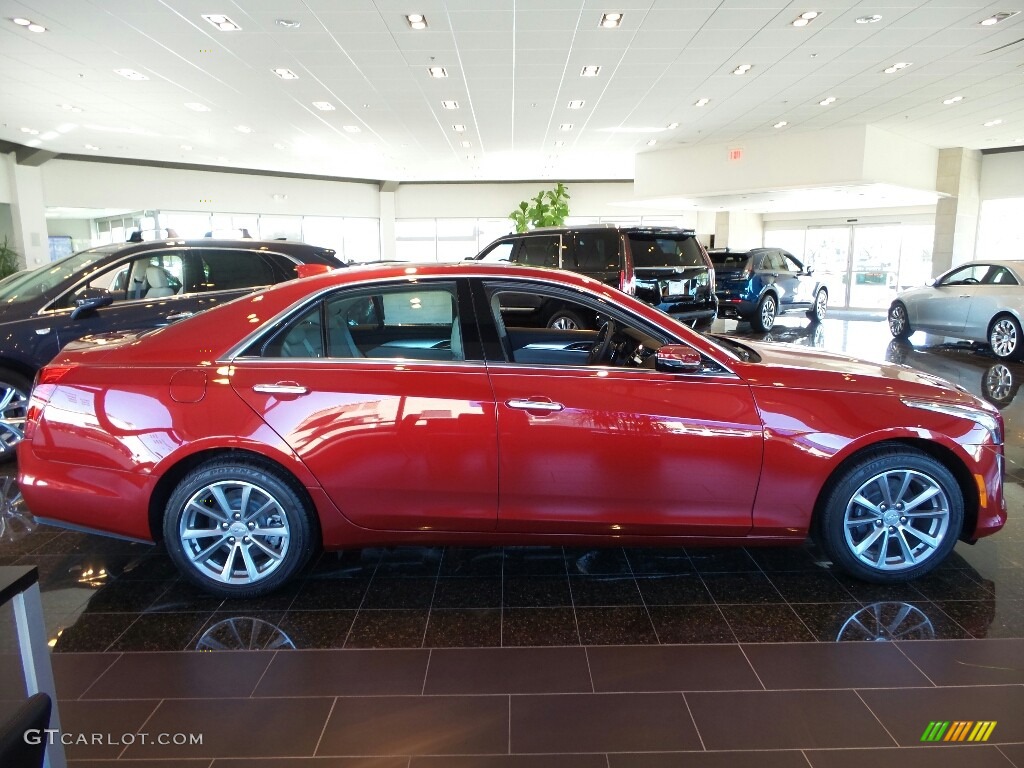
(764, 317)
(566, 320)
(237, 529)
(816, 313)
(899, 321)
(892, 516)
(1005, 337)
(14, 392)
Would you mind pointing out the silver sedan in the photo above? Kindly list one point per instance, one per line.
(979, 301)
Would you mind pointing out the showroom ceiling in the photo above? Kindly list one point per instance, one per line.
(512, 67)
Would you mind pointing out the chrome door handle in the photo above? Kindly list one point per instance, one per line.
(179, 316)
(534, 405)
(280, 389)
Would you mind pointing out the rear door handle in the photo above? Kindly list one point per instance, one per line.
(179, 316)
(534, 405)
(281, 388)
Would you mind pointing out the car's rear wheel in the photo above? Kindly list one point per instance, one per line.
(1005, 337)
(899, 321)
(767, 310)
(236, 529)
(816, 314)
(14, 392)
(892, 516)
(566, 320)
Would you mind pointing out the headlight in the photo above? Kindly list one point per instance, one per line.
(989, 421)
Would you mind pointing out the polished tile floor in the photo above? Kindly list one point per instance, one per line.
(556, 656)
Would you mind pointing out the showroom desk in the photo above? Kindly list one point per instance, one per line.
(19, 585)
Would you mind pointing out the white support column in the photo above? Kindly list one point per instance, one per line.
(28, 213)
(956, 217)
(387, 223)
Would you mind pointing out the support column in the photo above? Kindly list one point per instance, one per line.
(28, 213)
(739, 230)
(956, 217)
(388, 189)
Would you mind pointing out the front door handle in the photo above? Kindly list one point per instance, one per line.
(535, 405)
(179, 316)
(281, 388)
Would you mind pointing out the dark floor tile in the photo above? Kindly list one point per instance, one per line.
(915, 621)
(161, 632)
(31, 543)
(597, 562)
(180, 675)
(946, 756)
(952, 585)
(604, 591)
(615, 626)
(534, 561)
(415, 725)
(652, 561)
(690, 624)
(987, 618)
(280, 599)
(508, 670)
(604, 722)
(317, 629)
(237, 727)
(765, 624)
(203, 762)
(185, 597)
(867, 592)
(345, 673)
(1013, 752)
(967, 662)
(479, 592)
(463, 628)
(721, 559)
(309, 762)
(73, 673)
(512, 761)
(473, 562)
(394, 594)
(322, 594)
(790, 666)
(153, 567)
(678, 589)
(125, 596)
(409, 563)
(773, 559)
(741, 588)
(810, 587)
(537, 591)
(539, 626)
(671, 668)
(344, 564)
(73, 543)
(840, 622)
(785, 720)
(255, 631)
(93, 632)
(112, 718)
(1009, 582)
(779, 759)
(387, 629)
(907, 712)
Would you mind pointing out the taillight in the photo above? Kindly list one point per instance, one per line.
(42, 390)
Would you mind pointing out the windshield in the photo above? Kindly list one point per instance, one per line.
(734, 348)
(651, 250)
(40, 281)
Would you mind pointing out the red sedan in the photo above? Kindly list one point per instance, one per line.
(402, 405)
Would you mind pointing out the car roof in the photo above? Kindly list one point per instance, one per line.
(284, 246)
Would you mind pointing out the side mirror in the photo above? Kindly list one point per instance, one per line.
(678, 358)
(808, 270)
(86, 307)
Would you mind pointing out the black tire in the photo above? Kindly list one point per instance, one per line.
(899, 321)
(14, 392)
(816, 313)
(224, 482)
(567, 320)
(882, 558)
(1005, 337)
(764, 316)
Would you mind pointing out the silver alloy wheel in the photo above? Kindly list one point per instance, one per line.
(13, 408)
(998, 382)
(820, 305)
(767, 312)
(15, 519)
(897, 320)
(888, 621)
(234, 532)
(896, 520)
(565, 323)
(1003, 337)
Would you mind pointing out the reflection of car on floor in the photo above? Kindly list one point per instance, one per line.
(393, 405)
(812, 335)
(978, 301)
(125, 286)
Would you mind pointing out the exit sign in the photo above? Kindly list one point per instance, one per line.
(736, 154)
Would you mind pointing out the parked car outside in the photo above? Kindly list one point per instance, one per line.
(664, 266)
(122, 286)
(760, 284)
(393, 405)
(978, 301)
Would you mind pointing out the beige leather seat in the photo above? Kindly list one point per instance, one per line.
(159, 283)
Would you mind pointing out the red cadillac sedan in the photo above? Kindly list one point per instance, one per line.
(407, 404)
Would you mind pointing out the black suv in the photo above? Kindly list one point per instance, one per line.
(125, 286)
(664, 266)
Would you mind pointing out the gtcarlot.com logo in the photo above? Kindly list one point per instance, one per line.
(37, 736)
(958, 730)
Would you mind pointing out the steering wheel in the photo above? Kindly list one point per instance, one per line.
(600, 352)
(970, 281)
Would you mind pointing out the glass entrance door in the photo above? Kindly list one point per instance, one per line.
(875, 266)
(828, 251)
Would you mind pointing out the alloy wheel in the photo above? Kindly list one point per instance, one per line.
(767, 313)
(13, 408)
(1004, 337)
(820, 306)
(897, 320)
(564, 323)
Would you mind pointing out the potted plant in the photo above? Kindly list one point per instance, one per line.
(548, 209)
(10, 261)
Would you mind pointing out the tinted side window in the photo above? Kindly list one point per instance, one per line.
(594, 252)
(228, 268)
(500, 252)
(999, 276)
(539, 251)
(155, 274)
(662, 251)
(792, 265)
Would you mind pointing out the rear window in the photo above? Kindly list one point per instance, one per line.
(662, 251)
(728, 259)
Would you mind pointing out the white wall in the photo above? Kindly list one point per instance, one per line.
(79, 230)
(1002, 175)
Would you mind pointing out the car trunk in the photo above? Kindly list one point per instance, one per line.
(670, 269)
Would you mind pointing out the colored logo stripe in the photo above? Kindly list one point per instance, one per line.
(982, 731)
(935, 731)
(958, 730)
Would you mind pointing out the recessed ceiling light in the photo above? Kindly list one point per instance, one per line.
(92, 147)
(826, 102)
(565, 127)
(805, 18)
(459, 128)
(559, 144)
(30, 25)
(243, 129)
(672, 126)
(66, 127)
(467, 144)
(131, 74)
(780, 124)
(33, 143)
(590, 70)
(195, 106)
(869, 19)
(701, 102)
(324, 106)
(416, 20)
(952, 99)
(610, 20)
(51, 135)
(576, 104)
(989, 124)
(652, 142)
(437, 71)
(284, 73)
(221, 22)
(30, 131)
(279, 145)
(450, 104)
(351, 128)
(21, 22)
(288, 23)
(997, 17)
(70, 107)
(742, 69)
(186, 147)
(897, 67)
